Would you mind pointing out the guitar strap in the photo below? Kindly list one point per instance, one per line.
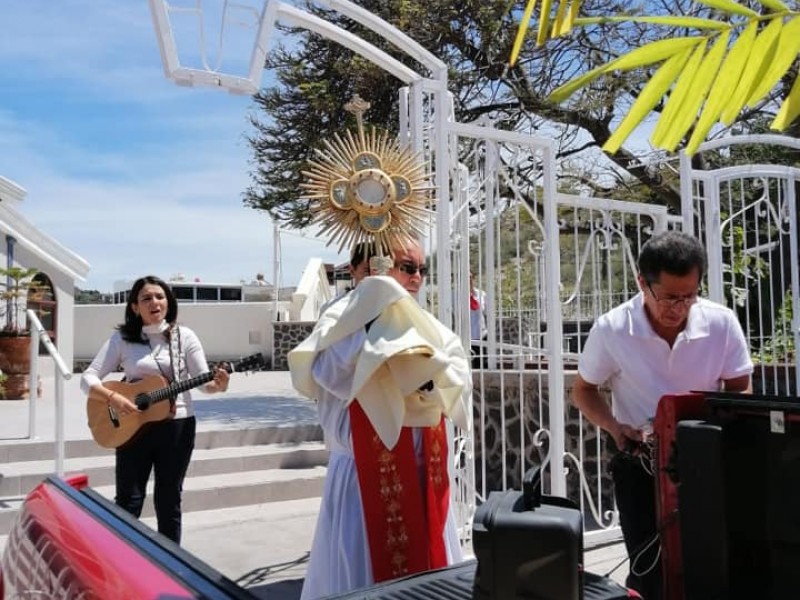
(175, 361)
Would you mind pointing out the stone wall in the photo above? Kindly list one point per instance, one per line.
(501, 411)
(287, 334)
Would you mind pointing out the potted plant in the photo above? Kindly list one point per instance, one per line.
(16, 283)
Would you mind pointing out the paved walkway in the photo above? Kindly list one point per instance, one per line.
(263, 547)
(260, 399)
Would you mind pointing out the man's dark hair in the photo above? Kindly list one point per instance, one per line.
(672, 252)
(364, 251)
(361, 252)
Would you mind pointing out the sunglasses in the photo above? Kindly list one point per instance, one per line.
(411, 268)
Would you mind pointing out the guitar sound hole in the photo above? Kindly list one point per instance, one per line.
(143, 401)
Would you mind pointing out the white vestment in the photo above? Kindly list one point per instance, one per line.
(404, 348)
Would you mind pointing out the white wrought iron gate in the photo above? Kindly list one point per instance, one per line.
(747, 215)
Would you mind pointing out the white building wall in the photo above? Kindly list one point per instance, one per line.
(227, 330)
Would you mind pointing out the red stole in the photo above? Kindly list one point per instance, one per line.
(404, 519)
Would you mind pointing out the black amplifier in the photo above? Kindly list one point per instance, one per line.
(528, 545)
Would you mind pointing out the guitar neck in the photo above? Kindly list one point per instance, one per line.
(179, 387)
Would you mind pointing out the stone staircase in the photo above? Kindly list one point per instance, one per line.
(229, 468)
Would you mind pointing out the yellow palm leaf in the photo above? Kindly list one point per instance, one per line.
(650, 95)
(723, 86)
(572, 16)
(775, 5)
(646, 55)
(560, 20)
(653, 52)
(785, 54)
(523, 29)
(790, 109)
(693, 22)
(544, 22)
(697, 93)
(563, 92)
(758, 64)
(730, 7)
(678, 96)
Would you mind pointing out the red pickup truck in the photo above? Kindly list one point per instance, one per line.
(68, 542)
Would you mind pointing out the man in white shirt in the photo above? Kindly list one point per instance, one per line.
(665, 340)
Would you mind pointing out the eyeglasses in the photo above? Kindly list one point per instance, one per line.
(411, 269)
(673, 303)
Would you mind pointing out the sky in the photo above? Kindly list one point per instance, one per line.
(132, 172)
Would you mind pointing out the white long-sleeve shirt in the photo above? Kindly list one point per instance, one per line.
(151, 358)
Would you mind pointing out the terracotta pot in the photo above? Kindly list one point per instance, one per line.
(17, 387)
(15, 363)
(15, 354)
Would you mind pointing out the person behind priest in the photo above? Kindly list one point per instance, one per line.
(358, 267)
(150, 342)
(346, 538)
(477, 323)
(665, 340)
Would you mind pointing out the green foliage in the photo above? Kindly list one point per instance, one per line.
(91, 297)
(16, 283)
(3, 379)
(780, 347)
(521, 257)
(741, 267)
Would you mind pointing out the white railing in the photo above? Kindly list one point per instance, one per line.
(311, 293)
(62, 372)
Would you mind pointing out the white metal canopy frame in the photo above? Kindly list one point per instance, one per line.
(260, 17)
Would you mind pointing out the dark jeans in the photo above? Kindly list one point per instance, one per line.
(479, 358)
(634, 488)
(165, 448)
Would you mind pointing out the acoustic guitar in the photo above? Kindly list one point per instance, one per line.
(112, 430)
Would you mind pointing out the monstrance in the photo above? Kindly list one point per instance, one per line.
(368, 188)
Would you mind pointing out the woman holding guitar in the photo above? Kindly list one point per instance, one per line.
(150, 342)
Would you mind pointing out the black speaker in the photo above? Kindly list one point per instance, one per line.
(528, 546)
(739, 499)
(702, 510)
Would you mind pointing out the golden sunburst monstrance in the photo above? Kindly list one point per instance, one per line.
(367, 188)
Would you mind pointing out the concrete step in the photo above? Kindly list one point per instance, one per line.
(211, 492)
(12, 451)
(227, 490)
(229, 467)
(18, 478)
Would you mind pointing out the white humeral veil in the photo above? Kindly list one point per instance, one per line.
(384, 368)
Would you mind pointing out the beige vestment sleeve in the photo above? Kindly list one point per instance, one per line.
(405, 348)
